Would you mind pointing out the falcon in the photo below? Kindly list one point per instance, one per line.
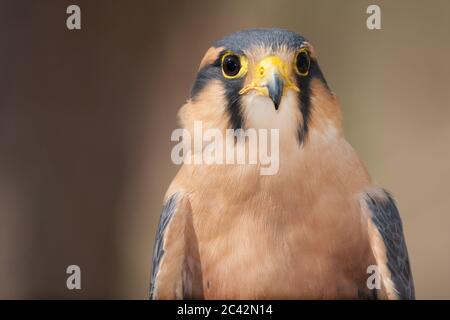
(314, 229)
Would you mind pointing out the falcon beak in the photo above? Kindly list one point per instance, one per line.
(271, 78)
(275, 87)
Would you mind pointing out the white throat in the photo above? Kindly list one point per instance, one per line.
(259, 113)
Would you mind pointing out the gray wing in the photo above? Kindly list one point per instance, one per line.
(386, 218)
(158, 250)
(176, 270)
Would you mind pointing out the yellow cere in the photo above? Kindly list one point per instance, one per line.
(265, 70)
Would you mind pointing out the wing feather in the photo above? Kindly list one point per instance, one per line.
(176, 271)
(387, 222)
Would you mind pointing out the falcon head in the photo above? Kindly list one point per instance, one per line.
(260, 78)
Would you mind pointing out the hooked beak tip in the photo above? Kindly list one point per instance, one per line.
(276, 105)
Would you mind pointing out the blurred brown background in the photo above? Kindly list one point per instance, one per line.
(86, 118)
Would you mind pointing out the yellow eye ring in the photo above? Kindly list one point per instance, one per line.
(302, 62)
(233, 65)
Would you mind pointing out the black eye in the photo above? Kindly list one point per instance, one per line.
(231, 65)
(302, 63)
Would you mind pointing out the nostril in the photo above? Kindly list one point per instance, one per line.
(261, 71)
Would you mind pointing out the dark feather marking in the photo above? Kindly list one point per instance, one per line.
(386, 218)
(304, 83)
(158, 251)
(231, 86)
